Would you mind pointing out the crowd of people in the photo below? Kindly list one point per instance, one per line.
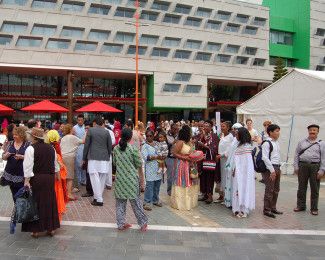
(193, 157)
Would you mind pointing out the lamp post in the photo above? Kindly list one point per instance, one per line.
(137, 25)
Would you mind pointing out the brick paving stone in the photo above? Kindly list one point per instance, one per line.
(213, 215)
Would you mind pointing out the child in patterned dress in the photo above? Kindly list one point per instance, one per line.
(162, 151)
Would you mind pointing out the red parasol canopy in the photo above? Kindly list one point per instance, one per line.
(45, 106)
(98, 106)
(5, 109)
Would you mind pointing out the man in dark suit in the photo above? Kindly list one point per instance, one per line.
(97, 150)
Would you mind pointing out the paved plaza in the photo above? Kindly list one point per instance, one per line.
(209, 232)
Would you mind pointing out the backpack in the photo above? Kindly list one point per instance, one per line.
(259, 164)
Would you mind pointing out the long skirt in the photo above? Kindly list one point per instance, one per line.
(185, 191)
(44, 195)
(223, 173)
(228, 188)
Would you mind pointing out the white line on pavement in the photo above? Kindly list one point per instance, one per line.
(198, 229)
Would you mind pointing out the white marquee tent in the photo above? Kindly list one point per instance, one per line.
(293, 102)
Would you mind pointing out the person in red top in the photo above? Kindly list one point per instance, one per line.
(117, 131)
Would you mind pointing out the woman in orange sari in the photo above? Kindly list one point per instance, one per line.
(53, 138)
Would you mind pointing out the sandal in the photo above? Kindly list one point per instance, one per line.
(50, 233)
(298, 209)
(125, 227)
(144, 228)
(73, 199)
(34, 235)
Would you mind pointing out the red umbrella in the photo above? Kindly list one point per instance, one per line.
(45, 106)
(98, 106)
(5, 109)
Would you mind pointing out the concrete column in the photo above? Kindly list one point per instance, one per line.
(144, 95)
(70, 96)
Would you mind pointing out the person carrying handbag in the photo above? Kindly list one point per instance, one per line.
(210, 168)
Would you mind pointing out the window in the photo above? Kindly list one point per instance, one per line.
(50, 4)
(57, 44)
(194, 89)
(85, 46)
(241, 60)
(214, 25)
(98, 35)
(124, 12)
(13, 27)
(180, 54)
(320, 32)
(203, 56)
(232, 27)
(160, 5)
(5, 39)
(169, 18)
(259, 21)
(250, 50)
(191, 21)
(149, 16)
(124, 37)
(193, 44)
(149, 39)
(259, 62)
(213, 46)
(116, 2)
(203, 12)
(171, 42)
(142, 3)
(14, 2)
(232, 48)
(182, 9)
(222, 15)
(141, 50)
(160, 52)
(287, 62)
(279, 37)
(72, 6)
(250, 30)
(45, 30)
(98, 9)
(223, 58)
(320, 68)
(112, 48)
(242, 18)
(72, 32)
(182, 76)
(171, 87)
(29, 42)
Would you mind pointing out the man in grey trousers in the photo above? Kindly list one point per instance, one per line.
(309, 164)
(98, 149)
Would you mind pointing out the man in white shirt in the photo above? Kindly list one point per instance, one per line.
(271, 158)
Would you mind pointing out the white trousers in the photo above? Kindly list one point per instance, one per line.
(109, 177)
(98, 180)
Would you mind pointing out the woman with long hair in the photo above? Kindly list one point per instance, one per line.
(184, 195)
(243, 193)
(127, 159)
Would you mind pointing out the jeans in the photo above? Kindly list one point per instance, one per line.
(151, 194)
(79, 172)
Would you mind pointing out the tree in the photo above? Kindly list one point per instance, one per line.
(279, 69)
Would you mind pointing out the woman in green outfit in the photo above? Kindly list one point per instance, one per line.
(127, 160)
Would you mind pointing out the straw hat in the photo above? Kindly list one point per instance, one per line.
(38, 133)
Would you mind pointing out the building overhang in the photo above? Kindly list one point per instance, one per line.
(62, 71)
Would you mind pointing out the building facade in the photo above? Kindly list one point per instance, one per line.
(195, 56)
